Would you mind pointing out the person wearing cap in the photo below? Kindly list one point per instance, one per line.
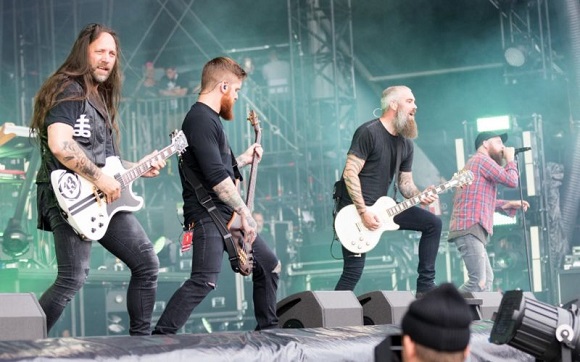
(471, 223)
(437, 327)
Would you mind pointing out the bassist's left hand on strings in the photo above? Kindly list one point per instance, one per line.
(246, 158)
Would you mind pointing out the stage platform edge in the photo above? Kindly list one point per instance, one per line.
(356, 343)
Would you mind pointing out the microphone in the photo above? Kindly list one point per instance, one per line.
(522, 149)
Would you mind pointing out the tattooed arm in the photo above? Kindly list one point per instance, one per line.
(228, 193)
(351, 171)
(353, 167)
(407, 186)
(409, 189)
(67, 151)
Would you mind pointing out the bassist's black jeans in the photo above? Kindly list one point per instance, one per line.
(414, 218)
(207, 255)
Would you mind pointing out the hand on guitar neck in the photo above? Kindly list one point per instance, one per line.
(254, 152)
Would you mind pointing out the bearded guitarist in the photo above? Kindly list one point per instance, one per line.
(209, 158)
(380, 149)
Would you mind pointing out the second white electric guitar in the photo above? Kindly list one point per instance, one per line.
(355, 237)
(84, 206)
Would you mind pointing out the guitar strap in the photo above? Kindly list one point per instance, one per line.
(205, 200)
(398, 164)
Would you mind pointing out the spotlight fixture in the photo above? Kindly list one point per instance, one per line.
(546, 332)
(515, 56)
(15, 242)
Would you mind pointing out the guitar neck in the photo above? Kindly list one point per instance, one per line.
(404, 205)
(137, 171)
(253, 174)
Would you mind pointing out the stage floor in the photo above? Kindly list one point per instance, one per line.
(355, 343)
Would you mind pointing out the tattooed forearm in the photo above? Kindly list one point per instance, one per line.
(75, 159)
(351, 171)
(407, 186)
(228, 193)
(240, 160)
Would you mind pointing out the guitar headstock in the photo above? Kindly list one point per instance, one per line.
(179, 140)
(253, 119)
(462, 178)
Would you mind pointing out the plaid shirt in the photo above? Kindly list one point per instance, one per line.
(476, 203)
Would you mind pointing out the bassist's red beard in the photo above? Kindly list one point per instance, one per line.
(227, 107)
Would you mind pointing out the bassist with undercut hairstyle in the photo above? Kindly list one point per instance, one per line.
(208, 173)
(381, 148)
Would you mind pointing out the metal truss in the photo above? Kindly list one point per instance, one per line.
(321, 46)
(525, 29)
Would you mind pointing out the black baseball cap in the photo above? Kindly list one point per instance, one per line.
(484, 136)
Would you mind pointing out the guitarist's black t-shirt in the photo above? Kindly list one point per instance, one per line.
(374, 144)
(209, 156)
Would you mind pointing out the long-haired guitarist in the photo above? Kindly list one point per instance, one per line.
(376, 148)
(209, 158)
(76, 119)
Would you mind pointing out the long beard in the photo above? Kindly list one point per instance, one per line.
(227, 108)
(406, 126)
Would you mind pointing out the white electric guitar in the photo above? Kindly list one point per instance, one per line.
(355, 237)
(85, 207)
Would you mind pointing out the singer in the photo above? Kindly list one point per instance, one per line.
(471, 223)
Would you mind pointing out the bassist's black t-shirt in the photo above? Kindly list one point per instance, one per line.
(374, 144)
(209, 156)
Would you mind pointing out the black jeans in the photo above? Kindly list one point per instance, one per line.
(414, 218)
(126, 239)
(208, 249)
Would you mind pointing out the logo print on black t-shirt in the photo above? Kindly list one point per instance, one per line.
(82, 127)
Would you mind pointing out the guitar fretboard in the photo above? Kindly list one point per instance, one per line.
(404, 205)
(137, 171)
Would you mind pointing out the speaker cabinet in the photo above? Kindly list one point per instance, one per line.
(310, 309)
(385, 307)
(489, 305)
(488, 302)
(568, 286)
(21, 317)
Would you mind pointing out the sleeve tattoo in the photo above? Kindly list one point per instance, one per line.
(407, 186)
(351, 171)
(228, 193)
(75, 159)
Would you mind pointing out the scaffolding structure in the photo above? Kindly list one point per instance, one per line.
(306, 131)
(527, 40)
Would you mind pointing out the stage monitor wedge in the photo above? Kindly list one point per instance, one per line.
(385, 307)
(21, 317)
(312, 309)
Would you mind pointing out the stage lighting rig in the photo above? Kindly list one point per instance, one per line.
(15, 242)
(546, 332)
